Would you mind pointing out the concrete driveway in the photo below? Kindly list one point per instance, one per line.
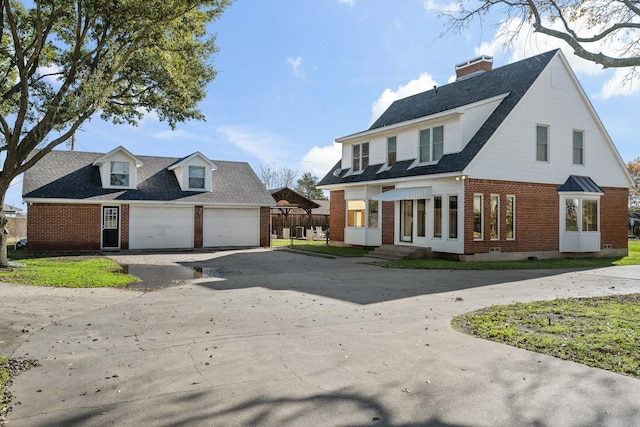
(287, 339)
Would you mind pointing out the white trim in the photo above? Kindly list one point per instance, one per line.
(409, 193)
(147, 202)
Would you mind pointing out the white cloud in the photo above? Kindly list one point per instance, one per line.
(319, 160)
(423, 83)
(296, 67)
(178, 133)
(446, 8)
(52, 69)
(527, 43)
(265, 147)
(351, 3)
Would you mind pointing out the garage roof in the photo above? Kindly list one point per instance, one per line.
(71, 175)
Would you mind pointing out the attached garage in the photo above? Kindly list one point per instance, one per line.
(160, 227)
(231, 227)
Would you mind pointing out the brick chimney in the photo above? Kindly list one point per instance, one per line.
(474, 66)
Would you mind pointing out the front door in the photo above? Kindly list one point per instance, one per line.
(110, 227)
(406, 220)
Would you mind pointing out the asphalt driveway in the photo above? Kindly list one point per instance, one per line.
(287, 339)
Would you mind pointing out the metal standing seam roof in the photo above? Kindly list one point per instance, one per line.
(514, 79)
(580, 184)
(71, 175)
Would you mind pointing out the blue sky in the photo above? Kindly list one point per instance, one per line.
(294, 75)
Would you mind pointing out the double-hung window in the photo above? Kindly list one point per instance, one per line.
(510, 220)
(360, 156)
(578, 147)
(196, 177)
(391, 151)
(437, 216)
(120, 174)
(542, 143)
(431, 144)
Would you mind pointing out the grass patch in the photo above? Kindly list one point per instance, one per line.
(69, 272)
(603, 332)
(575, 263)
(334, 250)
(4, 379)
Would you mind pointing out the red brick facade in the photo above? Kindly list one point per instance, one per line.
(337, 215)
(78, 227)
(388, 221)
(54, 227)
(265, 221)
(198, 219)
(537, 216)
(124, 226)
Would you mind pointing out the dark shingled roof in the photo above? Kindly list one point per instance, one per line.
(579, 184)
(515, 79)
(71, 175)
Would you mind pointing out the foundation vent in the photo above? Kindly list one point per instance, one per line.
(606, 246)
(495, 250)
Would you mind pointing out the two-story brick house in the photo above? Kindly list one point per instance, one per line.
(505, 163)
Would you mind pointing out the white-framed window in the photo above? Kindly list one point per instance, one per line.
(431, 145)
(421, 230)
(391, 151)
(581, 214)
(542, 143)
(119, 174)
(578, 147)
(453, 217)
(510, 217)
(360, 156)
(196, 177)
(478, 216)
(356, 213)
(437, 216)
(495, 217)
(373, 214)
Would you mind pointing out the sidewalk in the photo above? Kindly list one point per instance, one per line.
(286, 339)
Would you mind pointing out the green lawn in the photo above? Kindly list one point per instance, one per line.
(334, 250)
(70, 272)
(602, 332)
(439, 264)
(4, 379)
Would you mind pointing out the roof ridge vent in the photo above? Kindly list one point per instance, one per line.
(474, 66)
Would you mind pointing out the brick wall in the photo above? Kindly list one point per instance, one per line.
(614, 217)
(536, 216)
(53, 227)
(265, 216)
(198, 218)
(388, 221)
(124, 226)
(337, 215)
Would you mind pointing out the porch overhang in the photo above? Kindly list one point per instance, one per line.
(410, 193)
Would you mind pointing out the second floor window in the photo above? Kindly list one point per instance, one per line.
(578, 147)
(431, 144)
(360, 156)
(542, 143)
(120, 174)
(196, 177)
(391, 151)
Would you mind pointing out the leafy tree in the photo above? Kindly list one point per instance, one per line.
(634, 193)
(274, 176)
(604, 32)
(306, 186)
(61, 62)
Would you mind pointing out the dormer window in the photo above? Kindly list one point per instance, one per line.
(196, 177)
(120, 174)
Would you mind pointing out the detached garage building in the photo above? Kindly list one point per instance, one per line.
(96, 201)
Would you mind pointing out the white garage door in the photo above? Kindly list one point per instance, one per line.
(160, 227)
(231, 227)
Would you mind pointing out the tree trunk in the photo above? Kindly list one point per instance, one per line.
(4, 260)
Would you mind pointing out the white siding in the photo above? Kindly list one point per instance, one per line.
(158, 227)
(231, 227)
(473, 118)
(511, 152)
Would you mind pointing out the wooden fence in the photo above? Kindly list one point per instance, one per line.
(297, 223)
(17, 228)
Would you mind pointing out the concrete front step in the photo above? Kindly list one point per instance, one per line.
(396, 252)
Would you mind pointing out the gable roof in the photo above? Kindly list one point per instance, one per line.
(183, 161)
(513, 79)
(71, 175)
(121, 149)
(285, 196)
